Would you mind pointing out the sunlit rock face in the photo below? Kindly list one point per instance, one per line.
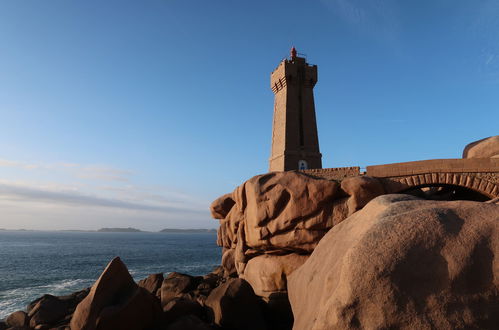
(276, 211)
(404, 263)
(484, 148)
(349, 258)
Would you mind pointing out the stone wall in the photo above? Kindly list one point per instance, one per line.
(479, 174)
(337, 173)
(471, 165)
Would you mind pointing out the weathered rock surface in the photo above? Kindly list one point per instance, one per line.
(234, 305)
(188, 322)
(50, 310)
(152, 283)
(403, 263)
(268, 274)
(177, 284)
(493, 201)
(228, 263)
(287, 211)
(277, 312)
(484, 148)
(221, 206)
(361, 190)
(178, 307)
(115, 301)
(208, 282)
(17, 319)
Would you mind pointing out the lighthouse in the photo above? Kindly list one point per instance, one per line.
(295, 142)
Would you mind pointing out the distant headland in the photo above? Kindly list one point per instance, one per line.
(119, 230)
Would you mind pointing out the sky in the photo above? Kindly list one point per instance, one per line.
(140, 113)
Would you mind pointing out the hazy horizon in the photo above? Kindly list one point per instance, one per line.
(141, 113)
(97, 229)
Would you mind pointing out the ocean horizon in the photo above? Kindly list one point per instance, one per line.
(34, 263)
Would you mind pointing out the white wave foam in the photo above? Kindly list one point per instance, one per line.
(17, 299)
(65, 284)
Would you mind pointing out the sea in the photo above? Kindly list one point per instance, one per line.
(33, 263)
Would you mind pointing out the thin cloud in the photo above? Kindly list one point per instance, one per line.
(75, 198)
(160, 196)
(102, 173)
(59, 195)
(376, 17)
(92, 172)
(17, 164)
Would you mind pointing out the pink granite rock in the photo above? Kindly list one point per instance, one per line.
(116, 302)
(403, 263)
(281, 210)
(268, 274)
(484, 148)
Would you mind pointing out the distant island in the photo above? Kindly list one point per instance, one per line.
(119, 230)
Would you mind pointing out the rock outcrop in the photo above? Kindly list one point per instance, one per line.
(272, 222)
(403, 263)
(229, 263)
(361, 190)
(190, 322)
(49, 311)
(277, 211)
(176, 285)
(348, 258)
(484, 148)
(153, 283)
(234, 305)
(268, 274)
(115, 301)
(179, 307)
(221, 206)
(17, 319)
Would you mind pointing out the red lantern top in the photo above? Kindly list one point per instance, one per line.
(293, 53)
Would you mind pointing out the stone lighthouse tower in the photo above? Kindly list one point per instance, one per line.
(295, 144)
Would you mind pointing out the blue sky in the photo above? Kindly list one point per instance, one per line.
(140, 113)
